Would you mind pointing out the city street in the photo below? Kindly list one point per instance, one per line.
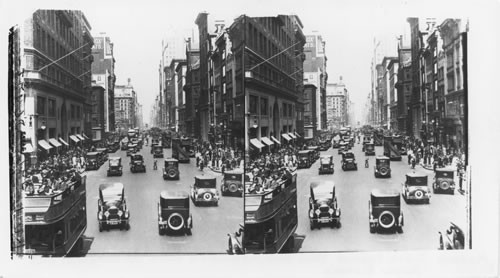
(142, 191)
(421, 221)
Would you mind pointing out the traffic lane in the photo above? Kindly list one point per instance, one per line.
(353, 190)
(142, 191)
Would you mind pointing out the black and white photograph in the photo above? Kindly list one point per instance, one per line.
(283, 138)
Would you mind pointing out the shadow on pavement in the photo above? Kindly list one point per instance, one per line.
(299, 239)
(86, 244)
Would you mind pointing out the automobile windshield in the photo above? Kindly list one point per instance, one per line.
(323, 194)
(444, 174)
(325, 160)
(112, 197)
(348, 155)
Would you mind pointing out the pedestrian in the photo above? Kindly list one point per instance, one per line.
(155, 164)
(413, 162)
(366, 163)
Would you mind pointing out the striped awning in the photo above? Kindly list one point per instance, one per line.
(64, 142)
(44, 144)
(266, 141)
(286, 136)
(296, 134)
(54, 142)
(292, 135)
(74, 138)
(85, 136)
(28, 148)
(256, 143)
(80, 137)
(275, 140)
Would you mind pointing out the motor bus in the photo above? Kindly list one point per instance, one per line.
(180, 151)
(270, 219)
(390, 149)
(56, 221)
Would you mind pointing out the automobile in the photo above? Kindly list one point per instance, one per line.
(137, 163)
(124, 144)
(157, 151)
(444, 181)
(315, 151)
(366, 140)
(115, 166)
(370, 149)
(382, 166)
(112, 207)
(454, 238)
(111, 147)
(416, 189)
(349, 161)
(204, 191)
(324, 145)
(326, 164)
(135, 141)
(102, 155)
(173, 213)
(132, 148)
(343, 147)
(92, 161)
(384, 211)
(323, 205)
(304, 158)
(170, 169)
(232, 183)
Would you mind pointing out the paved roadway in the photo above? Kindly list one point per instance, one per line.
(142, 191)
(421, 221)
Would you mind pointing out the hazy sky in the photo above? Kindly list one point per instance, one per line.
(137, 27)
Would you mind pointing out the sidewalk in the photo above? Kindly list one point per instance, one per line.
(218, 170)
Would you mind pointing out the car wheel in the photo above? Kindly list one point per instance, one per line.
(127, 227)
(189, 232)
(160, 231)
(311, 225)
(372, 229)
(230, 250)
(339, 224)
(400, 230)
(100, 227)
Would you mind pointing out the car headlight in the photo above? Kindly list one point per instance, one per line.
(99, 215)
(106, 214)
(330, 211)
(311, 214)
(317, 211)
(126, 214)
(120, 213)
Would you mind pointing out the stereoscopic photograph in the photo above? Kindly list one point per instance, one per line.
(214, 130)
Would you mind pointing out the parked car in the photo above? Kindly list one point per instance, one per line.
(348, 161)
(157, 151)
(369, 149)
(315, 151)
(137, 163)
(323, 205)
(132, 148)
(173, 213)
(102, 155)
(304, 158)
(324, 145)
(416, 189)
(454, 238)
(204, 190)
(326, 165)
(170, 169)
(343, 147)
(115, 166)
(112, 207)
(385, 211)
(444, 181)
(124, 144)
(232, 183)
(382, 167)
(92, 161)
(366, 140)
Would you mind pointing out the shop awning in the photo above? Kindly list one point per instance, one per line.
(73, 137)
(44, 144)
(64, 142)
(296, 134)
(54, 142)
(28, 148)
(256, 143)
(284, 135)
(275, 140)
(292, 135)
(266, 141)
(80, 137)
(85, 136)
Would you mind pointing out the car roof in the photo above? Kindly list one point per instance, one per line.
(384, 193)
(203, 177)
(174, 194)
(169, 159)
(236, 171)
(322, 186)
(111, 187)
(92, 153)
(415, 175)
(445, 169)
(327, 156)
(382, 157)
(114, 158)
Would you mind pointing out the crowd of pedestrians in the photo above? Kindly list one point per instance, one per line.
(216, 157)
(432, 155)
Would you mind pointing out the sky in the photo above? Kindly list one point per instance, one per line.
(137, 28)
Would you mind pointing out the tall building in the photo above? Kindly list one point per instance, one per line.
(192, 89)
(172, 93)
(103, 74)
(337, 105)
(98, 102)
(311, 120)
(315, 74)
(55, 55)
(403, 88)
(392, 100)
(180, 72)
(125, 106)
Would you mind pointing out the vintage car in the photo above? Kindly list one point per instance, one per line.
(93, 162)
(132, 148)
(444, 181)
(382, 167)
(454, 238)
(315, 151)
(204, 190)
(232, 183)
(157, 151)
(348, 161)
(115, 166)
(173, 213)
(112, 207)
(124, 144)
(370, 149)
(326, 164)
(135, 141)
(416, 189)
(323, 205)
(385, 211)
(366, 140)
(102, 155)
(305, 158)
(170, 169)
(343, 147)
(324, 145)
(137, 163)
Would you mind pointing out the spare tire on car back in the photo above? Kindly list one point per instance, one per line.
(207, 196)
(175, 221)
(419, 194)
(233, 188)
(171, 173)
(386, 219)
(384, 170)
(444, 185)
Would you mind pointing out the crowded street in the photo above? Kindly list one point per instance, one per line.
(142, 192)
(422, 222)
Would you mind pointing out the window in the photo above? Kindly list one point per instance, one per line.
(224, 71)
(40, 105)
(72, 108)
(253, 104)
(263, 106)
(52, 108)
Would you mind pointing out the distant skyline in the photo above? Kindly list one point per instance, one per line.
(137, 31)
